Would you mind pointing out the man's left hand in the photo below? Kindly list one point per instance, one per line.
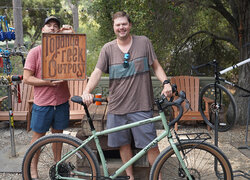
(66, 29)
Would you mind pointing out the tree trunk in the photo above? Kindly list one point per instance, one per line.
(18, 19)
(75, 17)
(74, 8)
(244, 76)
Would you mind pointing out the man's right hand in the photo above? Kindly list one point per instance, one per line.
(55, 82)
(87, 98)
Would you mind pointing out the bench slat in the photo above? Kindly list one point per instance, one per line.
(18, 116)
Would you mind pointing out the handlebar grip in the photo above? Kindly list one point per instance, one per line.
(17, 78)
(100, 100)
(77, 99)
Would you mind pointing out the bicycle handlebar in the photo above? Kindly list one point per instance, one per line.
(215, 64)
(7, 80)
(163, 100)
(235, 66)
(78, 99)
(195, 68)
(17, 77)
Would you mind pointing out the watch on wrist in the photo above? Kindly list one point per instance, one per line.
(166, 82)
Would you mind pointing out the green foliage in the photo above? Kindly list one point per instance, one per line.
(149, 18)
(91, 30)
(204, 47)
(170, 24)
(35, 11)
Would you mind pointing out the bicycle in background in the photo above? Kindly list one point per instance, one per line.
(221, 99)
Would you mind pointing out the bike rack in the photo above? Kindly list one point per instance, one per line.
(193, 136)
(236, 173)
(7, 69)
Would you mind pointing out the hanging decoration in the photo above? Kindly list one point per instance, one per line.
(6, 32)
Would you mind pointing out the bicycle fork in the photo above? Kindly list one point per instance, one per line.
(101, 154)
(178, 154)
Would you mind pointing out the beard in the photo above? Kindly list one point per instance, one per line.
(122, 37)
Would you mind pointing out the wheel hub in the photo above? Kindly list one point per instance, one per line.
(63, 170)
(194, 173)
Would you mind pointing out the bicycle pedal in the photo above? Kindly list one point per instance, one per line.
(122, 177)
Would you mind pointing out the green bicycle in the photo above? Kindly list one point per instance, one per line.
(185, 159)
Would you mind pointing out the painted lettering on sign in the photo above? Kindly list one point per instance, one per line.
(63, 56)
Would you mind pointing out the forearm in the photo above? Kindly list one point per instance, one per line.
(161, 75)
(93, 81)
(159, 72)
(29, 78)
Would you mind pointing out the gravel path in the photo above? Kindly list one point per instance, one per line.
(228, 142)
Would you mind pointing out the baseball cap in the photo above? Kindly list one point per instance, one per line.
(52, 18)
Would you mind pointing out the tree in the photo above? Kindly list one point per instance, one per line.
(18, 19)
(244, 47)
(237, 14)
(74, 8)
(35, 13)
(188, 32)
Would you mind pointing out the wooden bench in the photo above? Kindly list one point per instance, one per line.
(22, 111)
(191, 85)
(76, 88)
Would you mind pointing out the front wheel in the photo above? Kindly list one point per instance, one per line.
(203, 161)
(82, 164)
(220, 101)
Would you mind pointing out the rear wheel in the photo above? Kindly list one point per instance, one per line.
(224, 103)
(83, 160)
(200, 159)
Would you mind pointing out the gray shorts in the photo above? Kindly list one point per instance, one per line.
(142, 134)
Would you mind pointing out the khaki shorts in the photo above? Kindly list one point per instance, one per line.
(142, 135)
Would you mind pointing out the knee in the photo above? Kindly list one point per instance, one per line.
(154, 150)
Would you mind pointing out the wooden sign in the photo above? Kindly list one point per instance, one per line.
(63, 56)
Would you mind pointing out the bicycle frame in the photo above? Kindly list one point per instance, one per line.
(136, 157)
(218, 73)
(232, 84)
(235, 66)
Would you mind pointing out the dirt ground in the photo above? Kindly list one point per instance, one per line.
(228, 142)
